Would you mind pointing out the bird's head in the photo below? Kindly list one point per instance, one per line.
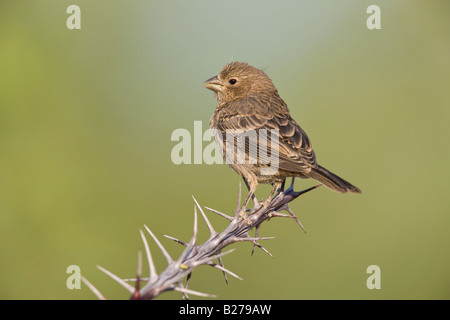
(238, 80)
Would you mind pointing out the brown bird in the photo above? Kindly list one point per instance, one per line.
(248, 100)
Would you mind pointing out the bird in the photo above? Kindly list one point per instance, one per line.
(248, 101)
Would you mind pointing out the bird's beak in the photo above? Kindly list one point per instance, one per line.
(213, 84)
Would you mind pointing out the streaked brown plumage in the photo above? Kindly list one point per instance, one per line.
(248, 100)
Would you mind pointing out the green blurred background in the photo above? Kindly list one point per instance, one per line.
(86, 118)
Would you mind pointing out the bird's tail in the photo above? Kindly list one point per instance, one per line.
(332, 181)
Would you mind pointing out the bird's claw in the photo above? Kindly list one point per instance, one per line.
(244, 217)
(266, 202)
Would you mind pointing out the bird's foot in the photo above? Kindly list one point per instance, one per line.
(259, 205)
(266, 202)
(291, 187)
(280, 189)
(243, 215)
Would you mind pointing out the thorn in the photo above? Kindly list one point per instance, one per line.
(257, 244)
(188, 280)
(186, 252)
(256, 204)
(130, 288)
(136, 295)
(225, 271)
(194, 234)
(197, 293)
(210, 227)
(93, 289)
(262, 248)
(185, 295)
(240, 213)
(193, 243)
(238, 239)
(191, 246)
(223, 215)
(296, 194)
(135, 279)
(164, 251)
(151, 265)
(176, 240)
(256, 236)
(216, 256)
(290, 195)
(209, 259)
(139, 265)
(292, 215)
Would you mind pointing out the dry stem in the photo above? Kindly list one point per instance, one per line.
(195, 255)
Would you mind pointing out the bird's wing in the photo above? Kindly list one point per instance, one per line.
(294, 148)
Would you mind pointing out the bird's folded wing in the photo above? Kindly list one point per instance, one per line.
(295, 152)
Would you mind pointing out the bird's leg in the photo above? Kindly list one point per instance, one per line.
(281, 189)
(247, 200)
(255, 201)
(291, 187)
(276, 187)
(251, 185)
(242, 213)
(282, 185)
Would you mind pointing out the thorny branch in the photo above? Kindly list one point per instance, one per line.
(195, 254)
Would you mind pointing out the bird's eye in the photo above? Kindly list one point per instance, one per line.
(232, 81)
